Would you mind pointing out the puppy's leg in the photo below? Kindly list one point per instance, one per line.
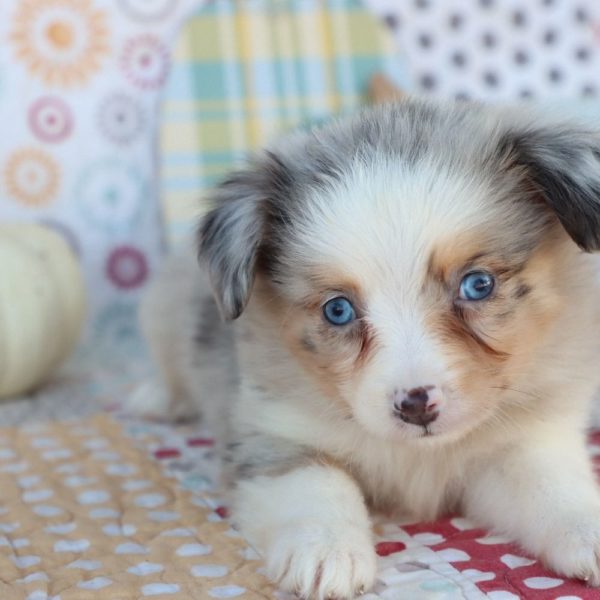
(312, 525)
(191, 348)
(544, 495)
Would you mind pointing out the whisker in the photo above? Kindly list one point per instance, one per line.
(517, 391)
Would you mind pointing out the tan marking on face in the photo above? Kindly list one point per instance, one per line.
(487, 342)
(332, 355)
(326, 284)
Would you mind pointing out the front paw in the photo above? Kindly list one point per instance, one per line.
(322, 562)
(573, 549)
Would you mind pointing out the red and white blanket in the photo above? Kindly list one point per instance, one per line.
(447, 559)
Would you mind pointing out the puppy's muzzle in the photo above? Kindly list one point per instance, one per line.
(415, 406)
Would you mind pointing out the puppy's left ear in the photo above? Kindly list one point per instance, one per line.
(564, 164)
(231, 235)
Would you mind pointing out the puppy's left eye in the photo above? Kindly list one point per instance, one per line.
(477, 285)
(339, 311)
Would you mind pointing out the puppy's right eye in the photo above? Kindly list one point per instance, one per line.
(339, 311)
(477, 285)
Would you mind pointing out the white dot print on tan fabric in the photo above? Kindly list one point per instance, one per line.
(95, 443)
(104, 513)
(14, 542)
(105, 456)
(78, 481)
(82, 529)
(41, 595)
(135, 485)
(93, 497)
(47, 510)
(180, 532)
(37, 495)
(37, 576)
(150, 500)
(156, 589)
(145, 568)
(131, 548)
(44, 442)
(95, 584)
(163, 516)
(123, 470)
(28, 481)
(19, 467)
(61, 528)
(85, 565)
(26, 561)
(226, 591)
(6, 453)
(67, 468)
(212, 571)
(117, 529)
(56, 454)
(194, 550)
(71, 545)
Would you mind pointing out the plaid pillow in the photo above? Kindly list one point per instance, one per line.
(244, 72)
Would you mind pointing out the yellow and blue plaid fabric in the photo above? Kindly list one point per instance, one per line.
(246, 71)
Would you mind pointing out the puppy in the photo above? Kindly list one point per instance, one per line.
(416, 330)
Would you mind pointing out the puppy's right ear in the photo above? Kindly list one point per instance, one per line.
(563, 161)
(231, 235)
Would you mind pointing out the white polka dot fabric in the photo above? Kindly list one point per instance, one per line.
(498, 49)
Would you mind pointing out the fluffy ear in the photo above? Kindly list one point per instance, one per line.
(564, 164)
(231, 235)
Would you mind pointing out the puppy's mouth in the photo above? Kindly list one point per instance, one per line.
(423, 422)
(416, 430)
(425, 427)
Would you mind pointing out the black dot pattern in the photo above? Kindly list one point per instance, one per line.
(456, 21)
(427, 81)
(518, 18)
(392, 21)
(488, 39)
(459, 58)
(498, 49)
(521, 57)
(425, 40)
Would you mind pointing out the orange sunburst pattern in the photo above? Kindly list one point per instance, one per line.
(32, 177)
(62, 42)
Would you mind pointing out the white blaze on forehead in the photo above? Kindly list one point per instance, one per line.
(378, 224)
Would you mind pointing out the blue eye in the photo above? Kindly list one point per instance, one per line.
(477, 285)
(339, 311)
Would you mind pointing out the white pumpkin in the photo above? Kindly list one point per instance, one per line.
(42, 305)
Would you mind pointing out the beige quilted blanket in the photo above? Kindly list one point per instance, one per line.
(85, 514)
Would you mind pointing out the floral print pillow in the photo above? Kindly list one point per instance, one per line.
(80, 83)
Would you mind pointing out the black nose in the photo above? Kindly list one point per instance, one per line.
(415, 407)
